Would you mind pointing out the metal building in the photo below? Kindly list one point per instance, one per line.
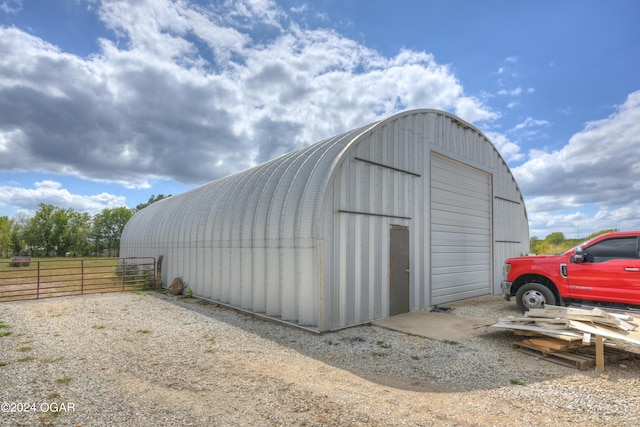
(399, 215)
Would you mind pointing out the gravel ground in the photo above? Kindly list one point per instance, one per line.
(133, 359)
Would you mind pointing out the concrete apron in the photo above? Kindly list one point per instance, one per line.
(436, 325)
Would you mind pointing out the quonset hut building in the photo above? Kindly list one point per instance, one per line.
(396, 216)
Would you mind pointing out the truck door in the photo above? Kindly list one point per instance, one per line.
(611, 272)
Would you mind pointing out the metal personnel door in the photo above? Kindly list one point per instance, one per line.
(399, 270)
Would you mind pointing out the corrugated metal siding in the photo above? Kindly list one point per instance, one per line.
(356, 249)
(247, 240)
(305, 237)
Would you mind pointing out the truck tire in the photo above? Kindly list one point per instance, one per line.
(534, 295)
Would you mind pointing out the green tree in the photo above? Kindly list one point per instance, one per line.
(555, 238)
(79, 230)
(53, 230)
(61, 237)
(591, 236)
(39, 230)
(107, 228)
(20, 221)
(6, 244)
(152, 199)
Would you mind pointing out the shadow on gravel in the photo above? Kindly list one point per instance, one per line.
(399, 360)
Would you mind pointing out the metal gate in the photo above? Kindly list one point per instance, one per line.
(64, 277)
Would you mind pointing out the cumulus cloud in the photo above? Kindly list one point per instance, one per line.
(599, 167)
(509, 150)
(52, 193)
(193, 93)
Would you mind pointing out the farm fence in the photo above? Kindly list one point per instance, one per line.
(34, 279)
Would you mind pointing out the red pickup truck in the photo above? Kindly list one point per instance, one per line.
(605, 269)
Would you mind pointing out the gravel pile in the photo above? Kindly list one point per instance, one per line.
(133, 359)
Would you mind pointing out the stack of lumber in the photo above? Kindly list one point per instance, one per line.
(560, 331)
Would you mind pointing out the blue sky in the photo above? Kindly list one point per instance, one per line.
(105, 103)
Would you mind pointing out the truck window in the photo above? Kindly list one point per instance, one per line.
(620, 248)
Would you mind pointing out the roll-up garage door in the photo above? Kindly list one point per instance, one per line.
(460, 231)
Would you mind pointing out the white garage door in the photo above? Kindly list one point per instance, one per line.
(460, 231)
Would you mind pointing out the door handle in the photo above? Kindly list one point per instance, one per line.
(632, 269)
(407, 271)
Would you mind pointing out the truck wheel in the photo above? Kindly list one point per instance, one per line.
(534, 295)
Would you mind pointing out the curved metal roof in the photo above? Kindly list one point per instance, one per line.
(276, 201)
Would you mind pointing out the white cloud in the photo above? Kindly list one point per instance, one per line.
(513, 92)
(530, 123)
(516, 91)
(509, 150)
(599, 167)
(530, 129)
(192, 93)
(10, 6)
(52, 193)
(581, 220)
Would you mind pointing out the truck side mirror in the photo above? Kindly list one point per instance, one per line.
(578, 257)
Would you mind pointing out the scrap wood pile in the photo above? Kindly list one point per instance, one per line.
(574, 336)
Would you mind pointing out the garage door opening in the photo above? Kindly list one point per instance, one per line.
(460, 231)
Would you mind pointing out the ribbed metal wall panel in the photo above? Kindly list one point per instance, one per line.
(304, 238)
(460, 231)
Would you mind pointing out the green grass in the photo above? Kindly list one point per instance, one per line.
(25, 359)
(57, 359)
(64, 380)
(517, 382)
(25, 349)
(64, 276)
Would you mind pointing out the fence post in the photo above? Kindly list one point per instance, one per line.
(82, 277)
(38, 285)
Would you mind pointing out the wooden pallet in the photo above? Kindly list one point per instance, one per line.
(611, 355)
(582, 358)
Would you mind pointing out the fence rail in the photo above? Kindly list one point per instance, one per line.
(63, 277)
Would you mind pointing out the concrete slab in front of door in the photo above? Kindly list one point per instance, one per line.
(436, 325)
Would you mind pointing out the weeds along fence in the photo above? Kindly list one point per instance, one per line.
(62, 277)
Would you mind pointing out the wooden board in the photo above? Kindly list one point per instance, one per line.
(552, 344)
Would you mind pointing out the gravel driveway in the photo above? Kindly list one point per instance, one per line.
(137, 359)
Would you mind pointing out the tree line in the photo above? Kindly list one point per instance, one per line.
(53, 231)
(556, 243)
